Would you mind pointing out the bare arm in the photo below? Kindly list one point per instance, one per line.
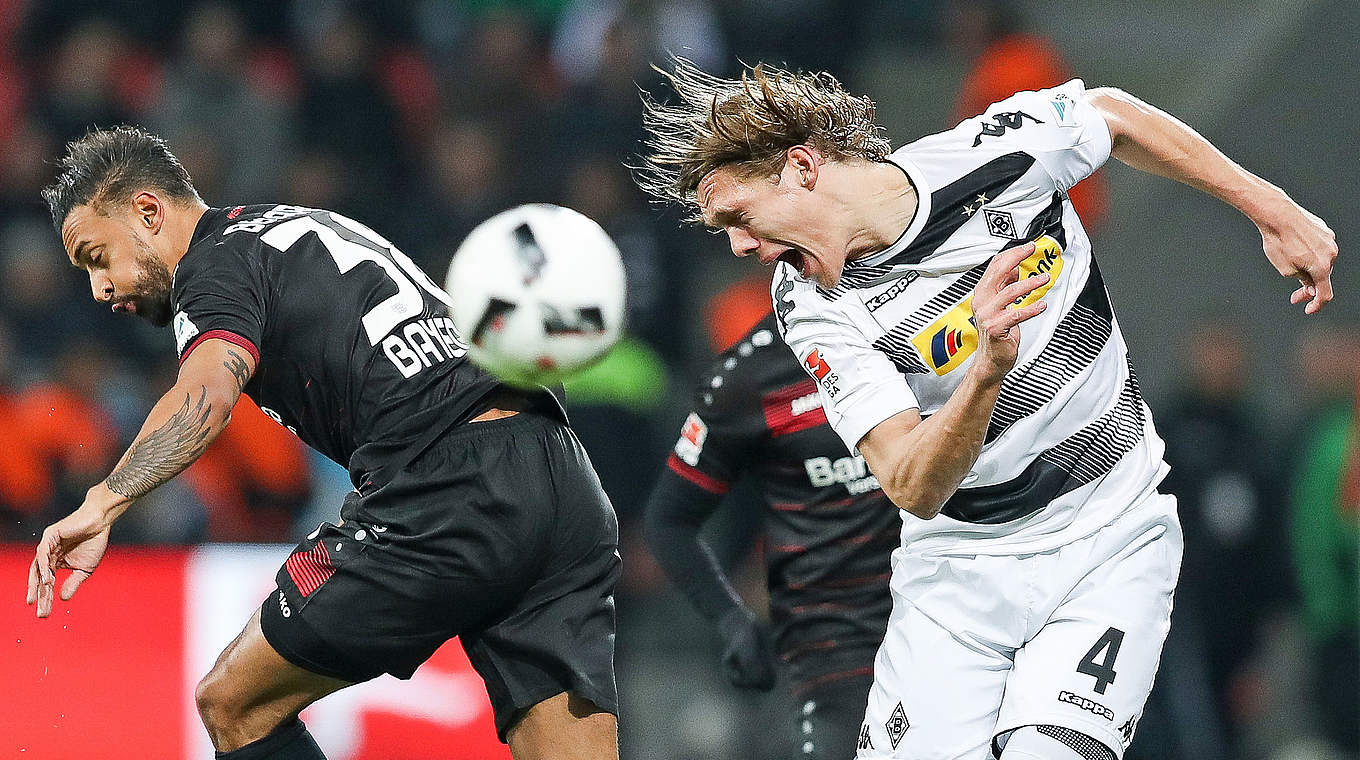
(1299, 244)
(920, 463)
(177, 431)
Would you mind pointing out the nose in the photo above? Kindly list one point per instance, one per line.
(743, 243)
(101, 287)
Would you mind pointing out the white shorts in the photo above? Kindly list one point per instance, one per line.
(978, 646)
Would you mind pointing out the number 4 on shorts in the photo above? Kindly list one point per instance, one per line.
(1102, 671)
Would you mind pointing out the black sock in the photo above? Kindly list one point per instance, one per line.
(289, 741)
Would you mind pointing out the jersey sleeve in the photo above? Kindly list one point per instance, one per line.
(725, 426)
(1059, 127)
(219, 293)
(858, 384)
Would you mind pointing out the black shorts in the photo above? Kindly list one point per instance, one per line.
(500, 534)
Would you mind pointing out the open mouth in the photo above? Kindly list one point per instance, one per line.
(794, 258)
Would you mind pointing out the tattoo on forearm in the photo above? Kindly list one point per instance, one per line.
(164, 452)
(236, 365)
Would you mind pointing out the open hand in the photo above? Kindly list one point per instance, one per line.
(76, 542)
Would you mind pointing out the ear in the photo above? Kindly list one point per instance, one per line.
(148, 212)
(803, 161)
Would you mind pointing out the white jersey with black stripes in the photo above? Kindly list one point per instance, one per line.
(1071, 443)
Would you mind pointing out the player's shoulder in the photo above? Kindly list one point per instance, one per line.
(1039, 119)
(799, 300)
(737, 376)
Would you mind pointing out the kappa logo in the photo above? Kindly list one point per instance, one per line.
(897, 725)
(1126, 730)
(284, 609)
(692, 437)
(893, 291)
(1003, 122)
(946, 343)
(1089, 705)
(864, 741)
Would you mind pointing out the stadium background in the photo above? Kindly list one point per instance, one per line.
(421, 117)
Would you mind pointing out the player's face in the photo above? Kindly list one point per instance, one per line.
(775, 218)
(124, 271)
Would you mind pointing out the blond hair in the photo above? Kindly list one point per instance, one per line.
(748, 124)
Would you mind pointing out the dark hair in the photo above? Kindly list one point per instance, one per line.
(108, 165)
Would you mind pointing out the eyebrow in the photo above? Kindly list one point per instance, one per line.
(725, 217)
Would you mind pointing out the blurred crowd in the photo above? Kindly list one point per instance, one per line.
(423, 117)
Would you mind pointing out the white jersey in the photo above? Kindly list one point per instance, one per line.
(1071, 444)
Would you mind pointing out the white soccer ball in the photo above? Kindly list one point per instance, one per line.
(538, 293)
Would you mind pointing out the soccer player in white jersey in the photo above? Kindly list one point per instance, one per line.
(945, 299)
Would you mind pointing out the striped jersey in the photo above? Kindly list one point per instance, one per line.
(1070, 444)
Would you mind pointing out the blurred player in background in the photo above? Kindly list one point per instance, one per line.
(828, 533)
(1032, 592)
(475, 512)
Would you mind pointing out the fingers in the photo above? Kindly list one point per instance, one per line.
(1016, 291)
(1302, 294)
(1003, 266)
(1322, 293)
(68, 589)
(1000, 325)
(47, 577)
(32, 582)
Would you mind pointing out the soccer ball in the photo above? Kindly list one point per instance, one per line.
(538, 293)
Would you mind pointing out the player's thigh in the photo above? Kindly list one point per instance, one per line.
(935, 694)
(251, 683)
(1092, 665)
(564, 727)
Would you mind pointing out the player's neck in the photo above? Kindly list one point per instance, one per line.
(884, 207)
(181, 232)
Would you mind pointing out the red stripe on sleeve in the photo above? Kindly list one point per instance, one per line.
(229, 337)
(693, 475)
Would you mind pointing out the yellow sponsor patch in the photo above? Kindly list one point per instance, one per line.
(950, 340)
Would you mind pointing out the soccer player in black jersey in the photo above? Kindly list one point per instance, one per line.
(475, 513)
(829, 531)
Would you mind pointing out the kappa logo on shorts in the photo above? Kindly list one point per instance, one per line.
(1126, 730)
(284, 609)
(1089, 705)
(897, 725)
(864, 741)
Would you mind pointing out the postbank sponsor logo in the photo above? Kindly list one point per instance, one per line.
(947, 342)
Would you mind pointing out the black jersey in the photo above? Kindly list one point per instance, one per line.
(829, 529)
(354, 349)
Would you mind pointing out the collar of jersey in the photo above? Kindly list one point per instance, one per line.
(918, 220)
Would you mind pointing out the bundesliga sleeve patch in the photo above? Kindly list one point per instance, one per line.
(185, 330)
(692, 437)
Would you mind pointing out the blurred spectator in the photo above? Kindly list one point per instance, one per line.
(345, 112)
(228, 126)
(85, 81)
(466, 178)
(27, 485)
(736, 309)
(1006, 59)
(1226, 483)
(1325, 525)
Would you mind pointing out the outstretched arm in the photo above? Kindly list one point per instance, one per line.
(176, 433)
(1298, 243)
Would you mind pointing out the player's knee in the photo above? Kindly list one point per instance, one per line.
(219, 706)
(1053, 743)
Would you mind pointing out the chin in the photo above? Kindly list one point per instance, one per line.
(157, 313)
